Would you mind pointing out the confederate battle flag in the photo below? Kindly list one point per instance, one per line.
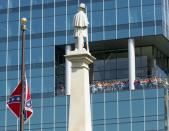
(14, 101)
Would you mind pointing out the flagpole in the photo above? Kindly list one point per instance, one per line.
(23, 29)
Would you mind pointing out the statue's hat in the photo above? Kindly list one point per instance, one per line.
(82, 5)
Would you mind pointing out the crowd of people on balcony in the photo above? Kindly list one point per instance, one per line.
(118, 85)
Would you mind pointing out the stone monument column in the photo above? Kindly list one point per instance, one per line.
(80, 109)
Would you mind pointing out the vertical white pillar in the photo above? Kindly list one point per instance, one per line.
(80, 108)
(67, 71)
(131, 58)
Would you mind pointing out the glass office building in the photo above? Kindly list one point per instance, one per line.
(112, 23)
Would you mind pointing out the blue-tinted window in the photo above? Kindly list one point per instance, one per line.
(158, 12)
(109, 17)
(97, 6)
(36, 26)
(97, 35)
(48, 1)
(37, 55)
(148, 2)
(36, 2)
(48, 24)
(109, 4)
(148, 13)
(13, 74)
(3, 17)
(48, 53)
(27, 2)
(122, 12)
(25, 14)
(48, 84)
(37, 13)
(48, 71)
(11, 85)
(36, 72)
(12, 57)
(13, 28)
(122, 3)
(3, 4)
(70, 22)
(61, 10)
(60, 23)
(98, 19)
(3, 58)
(3, 88)
(36, 85)
(3, 32)
(149, 30)
(13, 3)
(71, 9)
(46, 13)
(135, 3)
(135, 14)
(48, 41)
(3, 75)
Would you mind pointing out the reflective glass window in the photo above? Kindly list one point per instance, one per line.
(98, 6)
(70, 22)
(135, 3)
(13, 74)
(36, 85)
(3, 58)
(109, 17)
(147, 2)
(3, 4)
(122, 12)
(135, 14)
(48, 53)
(109, 4)
(11, 85)
(48, 24)
(13, 3)
(46, 13)
(158, 12)
(36, 26)
(3, 17)
(60, 22)
(3, 32)
(37, 13)
(13, 45)
(13, 28)
(2, 87)
(98, 19)
(37, 55)
(148, 13)
(36, 2)
(122, 3)
(12, 57)
(61, 10)
(48, 84)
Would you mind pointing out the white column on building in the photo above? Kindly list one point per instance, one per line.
(67, 71)
(131, 58)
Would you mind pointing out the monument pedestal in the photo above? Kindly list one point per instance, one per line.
(80, 109)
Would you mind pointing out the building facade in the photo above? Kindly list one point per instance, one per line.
(112, 24)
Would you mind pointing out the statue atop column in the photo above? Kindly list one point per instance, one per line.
(80, 23)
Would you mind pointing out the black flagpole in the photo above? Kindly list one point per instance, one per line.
(23, 29)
